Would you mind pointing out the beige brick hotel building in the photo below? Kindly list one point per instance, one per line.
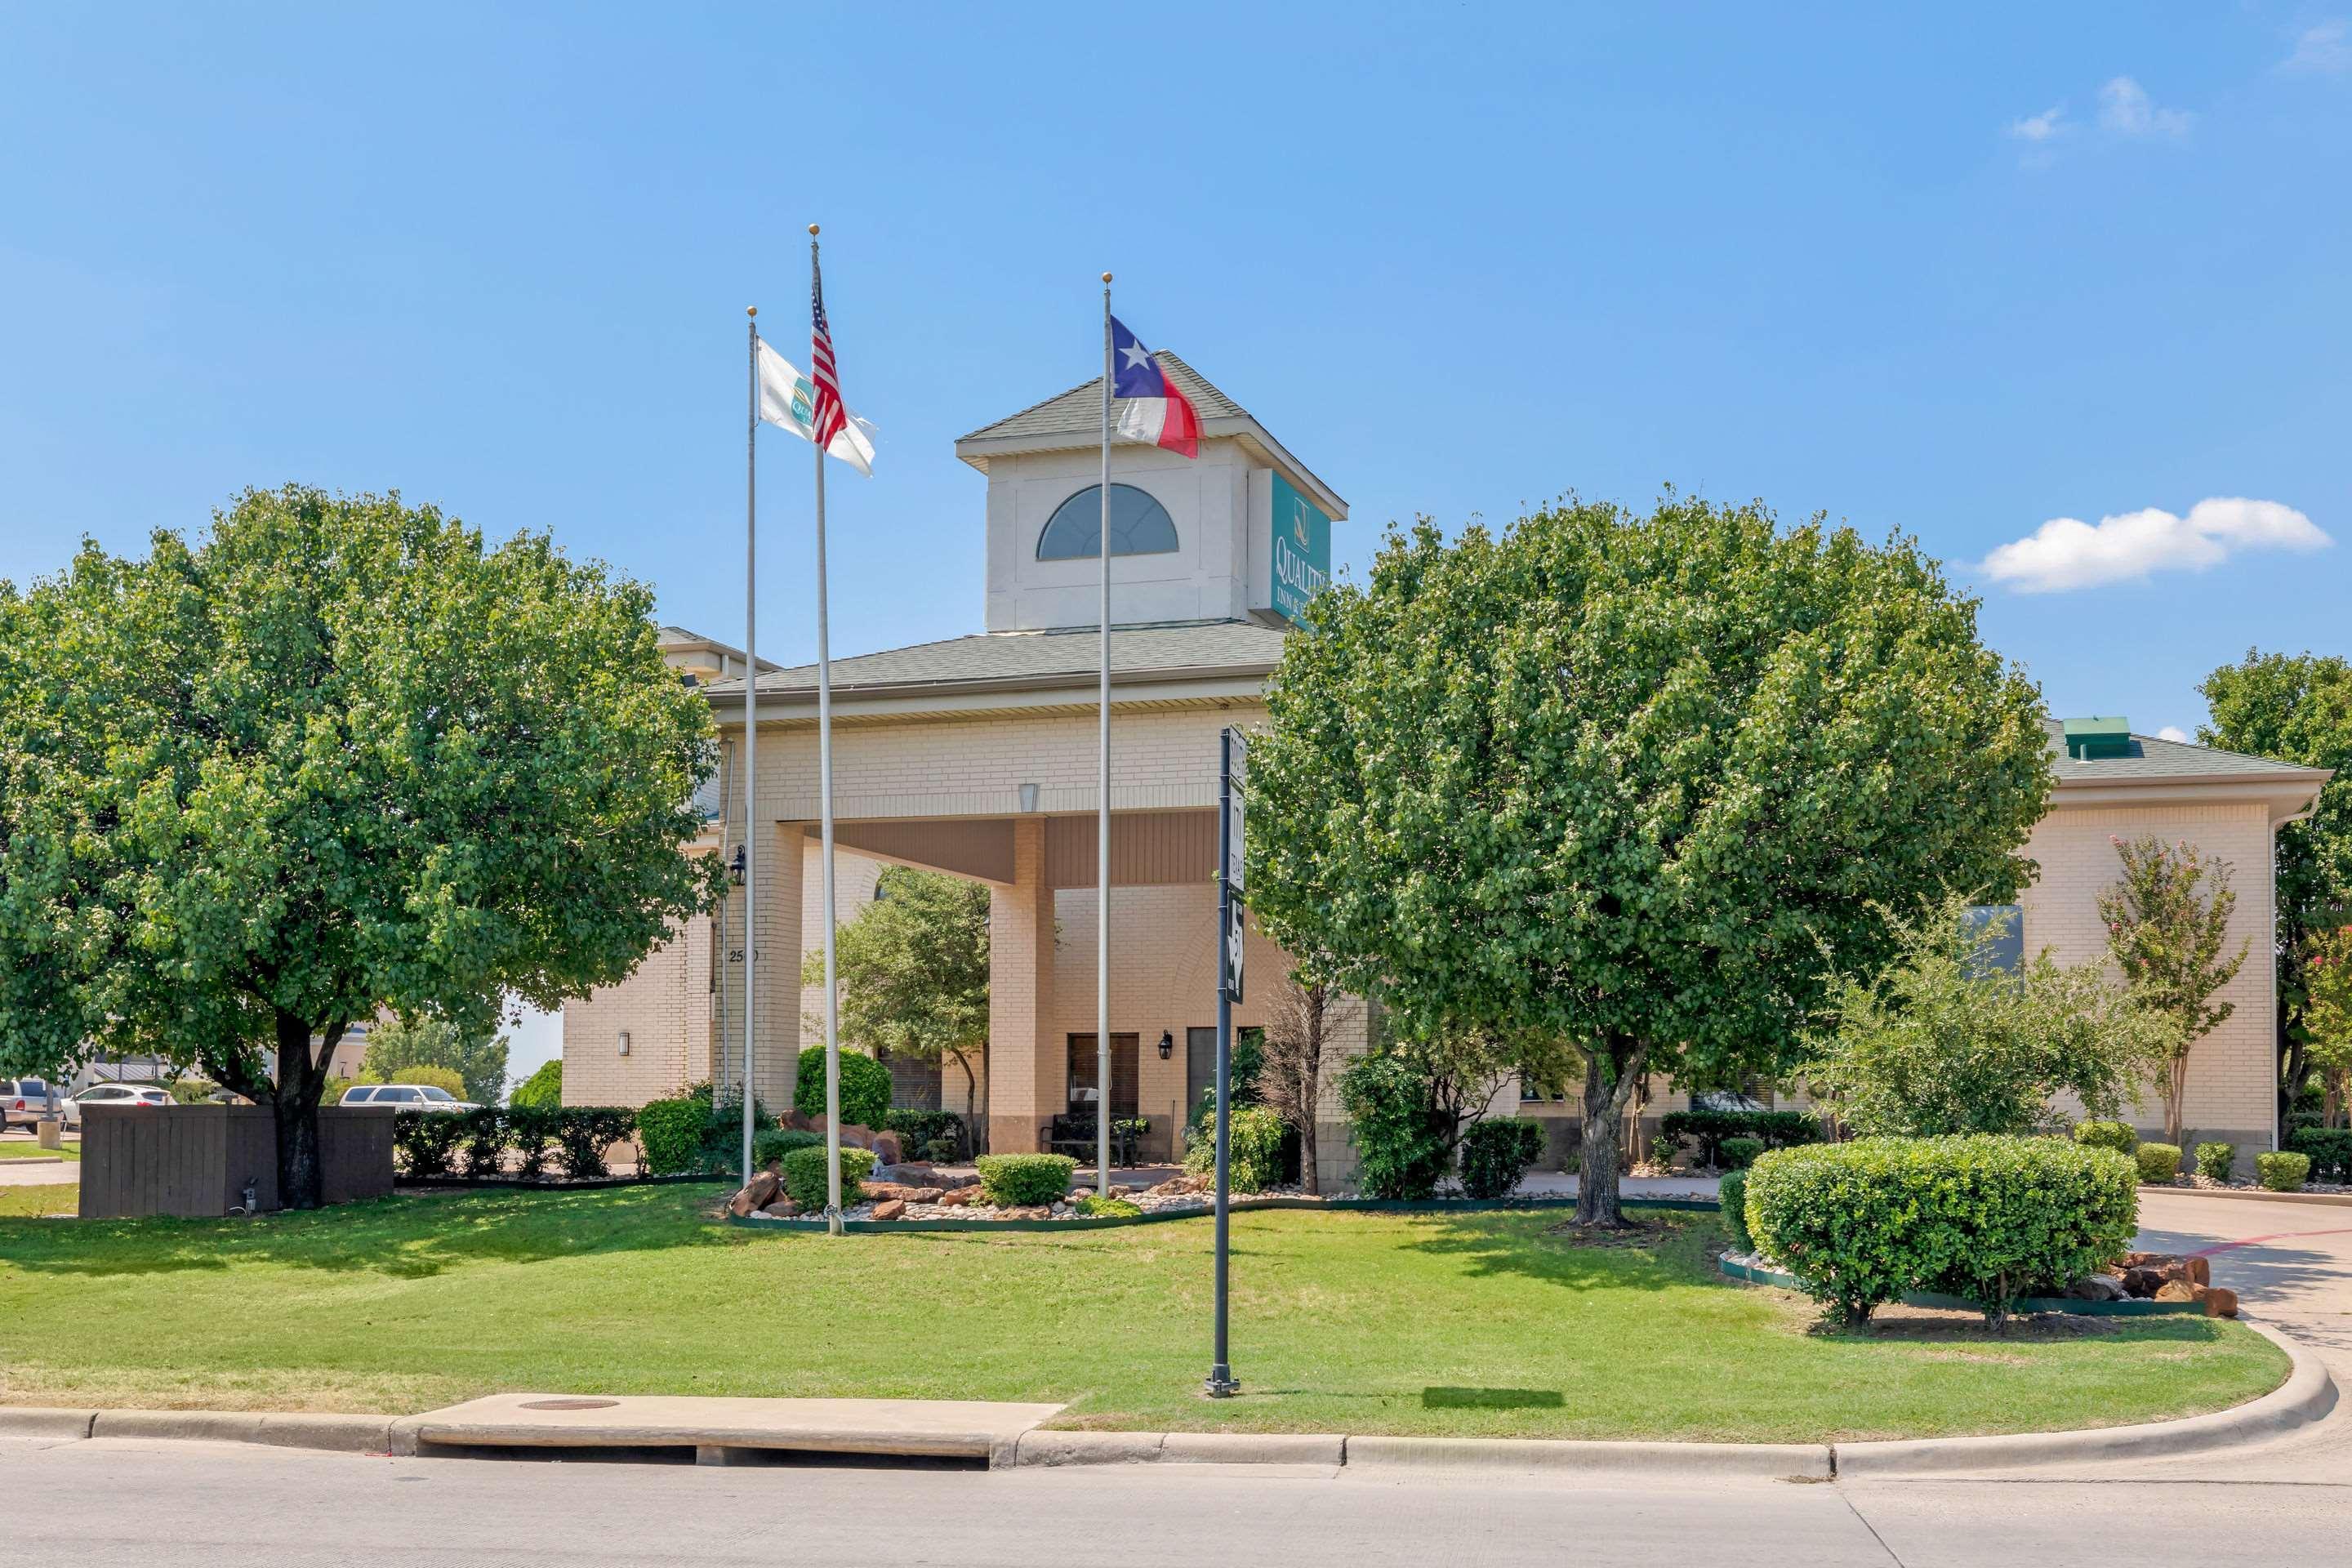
(976, 756)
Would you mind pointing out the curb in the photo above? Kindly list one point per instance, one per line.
(2250, 1196)
(2307, 1394)
(1767, 1461)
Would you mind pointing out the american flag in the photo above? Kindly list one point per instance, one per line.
(830, 416)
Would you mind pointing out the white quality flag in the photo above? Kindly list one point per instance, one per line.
(787, 398)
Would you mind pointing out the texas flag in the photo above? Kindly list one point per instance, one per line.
(1150, 408)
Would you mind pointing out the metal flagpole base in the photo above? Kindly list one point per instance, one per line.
(1221, 1383)
(832, 1220)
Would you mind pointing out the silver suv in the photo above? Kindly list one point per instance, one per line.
(26, 1101)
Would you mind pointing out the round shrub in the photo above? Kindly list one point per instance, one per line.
(2119, 1136)
(864, 1088)
(1734, 1198)
(1991, 1219)
(1738, 1154)
(804, 1181)
(1099, 1207)
(769, 1148)
(1393, 1120)
(943, 1150)
(424, 1140)
(1252, 1150)
(919, 1130)
(542, 1090)
(670, 1133)
(2158, 1162)
(2330, 1148)
(1497, 1151)
(2214, 1161)
(2284, 1172)
(1020, 1180)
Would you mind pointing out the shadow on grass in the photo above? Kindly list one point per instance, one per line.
(1492, 1399)
(1927, 1327)
(407, 1237)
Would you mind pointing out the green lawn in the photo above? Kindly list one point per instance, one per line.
(25, 1148)
(17, 1202)
(1342, 1322)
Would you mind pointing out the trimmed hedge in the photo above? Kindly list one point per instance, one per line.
(1254, 1150)
(2214, 1161)
(769, 1148)
(1738, 1154)
(1022, 1181)
(670, 1134)
(1497, 1152)
(865, 1088)
(804, 1176)
(2283, 1171)
(1733, 1194)
(2329, 1149)
(1777, 1129)
(2120, 1136)
(1989, 1219)
(2159, 1164)
(578, 1135)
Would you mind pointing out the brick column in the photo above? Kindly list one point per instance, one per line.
(1028, 1065)
(776, 1010)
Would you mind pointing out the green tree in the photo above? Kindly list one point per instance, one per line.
(2295, 708)
(480, 1059)
(1632, 785)
(341, 756)
(2327, 1018)
(2167, 934)
(1944, 1040)
(913, 970)
(542, 1090)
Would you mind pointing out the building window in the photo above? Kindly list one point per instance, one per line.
(2001, 929)
(1138, 526)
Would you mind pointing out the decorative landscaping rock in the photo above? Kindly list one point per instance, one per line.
(889, 1208)
(2097, 1287)
(756, 1194)
(2220, 1301)
(2142, 1283)
(782, 1208)
(959, 1197)
(2177, 1291)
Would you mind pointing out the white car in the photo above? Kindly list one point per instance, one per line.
(406, 1096)
(114, 1094)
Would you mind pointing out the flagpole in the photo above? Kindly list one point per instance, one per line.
(824, 820)
(750, 727)
(1102, 820)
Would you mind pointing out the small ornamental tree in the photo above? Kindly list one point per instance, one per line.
(913, 973)
(542, 1090)
(1634, 784)
(1304, 1018)
(2295, 708)
(2169, 933)
(1944, 1040)
(2327, 1016)
(341, 756)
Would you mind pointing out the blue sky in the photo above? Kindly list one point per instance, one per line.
(1959, 279)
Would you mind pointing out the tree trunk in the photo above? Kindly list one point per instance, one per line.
(2175, 1088)
(1612, 1071)
(294, 1104)
(2332, 1092)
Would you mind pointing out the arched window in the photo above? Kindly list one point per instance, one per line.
(1138, 526)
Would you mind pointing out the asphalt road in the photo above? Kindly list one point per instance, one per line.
(2289, 1501)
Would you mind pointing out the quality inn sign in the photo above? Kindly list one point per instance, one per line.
(1300, 560)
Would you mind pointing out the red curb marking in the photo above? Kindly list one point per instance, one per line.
(2258, 1240)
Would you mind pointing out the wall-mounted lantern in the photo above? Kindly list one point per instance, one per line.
(1167, 1045)
(735, 866)
(1028, 797)
(625, 1042)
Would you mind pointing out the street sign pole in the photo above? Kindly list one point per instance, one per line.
(1222, 1384)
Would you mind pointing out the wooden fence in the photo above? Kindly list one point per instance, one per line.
(195, 1161)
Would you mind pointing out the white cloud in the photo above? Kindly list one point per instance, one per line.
(2173, 732)
(2042, 127)
(2126, 109)
(2326, 47)
(2067, 552)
